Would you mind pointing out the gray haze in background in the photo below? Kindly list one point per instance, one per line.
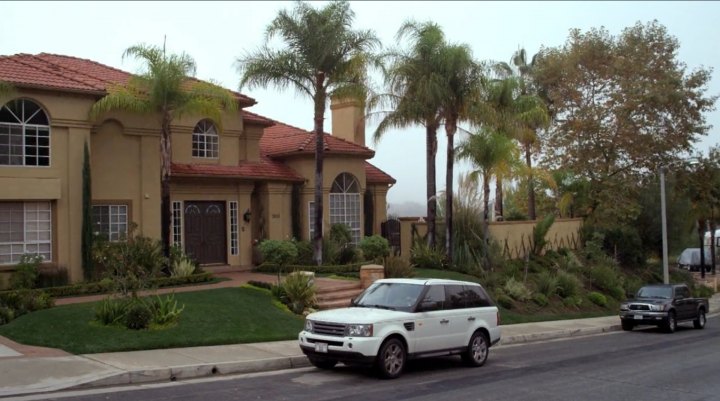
(216, 33)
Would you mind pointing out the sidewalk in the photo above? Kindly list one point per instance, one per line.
(31, 370)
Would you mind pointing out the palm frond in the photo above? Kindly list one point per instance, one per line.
(125, 98)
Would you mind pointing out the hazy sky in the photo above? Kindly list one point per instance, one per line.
(215, 34)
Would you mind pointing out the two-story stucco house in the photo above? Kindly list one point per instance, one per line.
(229, 186)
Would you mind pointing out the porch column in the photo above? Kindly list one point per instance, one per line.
(278, 221)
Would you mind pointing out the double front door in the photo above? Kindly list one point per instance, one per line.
(205, 231)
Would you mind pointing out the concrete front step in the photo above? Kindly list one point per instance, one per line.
(335, 295)
(338, 295)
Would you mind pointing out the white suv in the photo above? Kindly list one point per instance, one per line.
(394, 320)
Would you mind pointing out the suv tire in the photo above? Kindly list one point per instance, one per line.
(627, 326)
(477, 350)
(391, 358)
(699, 323)
(670, 324)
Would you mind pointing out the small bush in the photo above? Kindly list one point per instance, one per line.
(165, 311)
(516, 290)
(568, 285)
(340, 234)
(111, 311)
(300, 292)
(597, 298)
(397, 267)
(138, 316)
(348, 254)
(375, 247)
(260, 284)
(26, 273)
(424, 257)
(304, 253)
(540, 299)
(505, 301)
(181, 265)
(546, 284)
(6, 315)
(25, 301)
(569, 262)
(280, 253)
(702, 291)
(572, 301)
(604, 277)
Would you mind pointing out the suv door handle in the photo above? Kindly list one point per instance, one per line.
(444, 321)
(471, 318)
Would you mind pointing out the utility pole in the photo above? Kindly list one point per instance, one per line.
(666, 272)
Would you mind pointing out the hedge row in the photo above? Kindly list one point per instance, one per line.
(325, 269)
(100, 287)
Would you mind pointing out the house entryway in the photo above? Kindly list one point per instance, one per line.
(205, 231)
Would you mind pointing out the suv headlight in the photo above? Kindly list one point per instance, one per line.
(308, 326)
(624, 307)
(657, 308)
(360, 330)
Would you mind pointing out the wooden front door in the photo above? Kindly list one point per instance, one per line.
(205, 234)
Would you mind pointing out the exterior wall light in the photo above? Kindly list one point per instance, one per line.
(247, 215)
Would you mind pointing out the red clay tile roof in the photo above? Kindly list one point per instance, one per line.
(265, 169)
(58, 72)
(374, 175)
(257, 119)
(283, 140)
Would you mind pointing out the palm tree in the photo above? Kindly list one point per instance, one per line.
(416, 87)
(491, 154)
(464, 80)
(323, 58)
(167, 90)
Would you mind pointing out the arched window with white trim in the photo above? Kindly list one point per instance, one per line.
(24, 134)
(345, 204)
(205, 140)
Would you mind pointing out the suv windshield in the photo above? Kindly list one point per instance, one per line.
(399, 296)
(655, 292)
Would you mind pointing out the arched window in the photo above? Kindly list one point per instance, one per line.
(345, 204)
(24, 134)
(205, 142)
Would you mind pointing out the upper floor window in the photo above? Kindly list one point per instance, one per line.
(205, 142)
(24, 134)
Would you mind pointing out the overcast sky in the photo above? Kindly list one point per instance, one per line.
(215, 34)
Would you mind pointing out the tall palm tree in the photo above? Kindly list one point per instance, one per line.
(464, 80)
(323, 58)
(416, 87)
(166, 89)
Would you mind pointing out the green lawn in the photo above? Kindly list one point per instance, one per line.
(211, 317)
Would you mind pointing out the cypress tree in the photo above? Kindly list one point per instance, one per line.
(87, 229)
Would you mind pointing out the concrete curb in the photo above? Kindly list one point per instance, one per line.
(557, 334)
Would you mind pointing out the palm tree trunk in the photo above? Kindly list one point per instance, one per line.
(165, 162)
(486, 220)
(431, 151)
(531, 185)
(320, 97)
(450, 128)
(498, 197)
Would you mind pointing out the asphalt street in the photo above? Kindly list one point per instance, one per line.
(640, 365)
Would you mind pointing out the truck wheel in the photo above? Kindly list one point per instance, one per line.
(699, 323)
(477, 350)
(323, 363)
(391, 359)
(627, 326)
(670, 324)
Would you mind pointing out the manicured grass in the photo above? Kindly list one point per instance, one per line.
(211, 317)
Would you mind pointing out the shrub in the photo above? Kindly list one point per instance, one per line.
(597, 298)
(540, 299)
(26, 273)
(6, 315)
(138, 316)
(280, 253)
(375, 247)
(347, 254)
(300, 292)
(52, 277)
(397, 267)
(25, 301)
(569, 262)
(516, 290)
(505, 301)
(278, 291)
(424, 257)
(111, 311)
(568, 285)
(702, 291)
(260, 284)
(330, 252)
(340, 234)
(165, 311)
(572, 301)
(304, 253)
(181, 265)
(546, 284)
(539, 233)
(324, 269)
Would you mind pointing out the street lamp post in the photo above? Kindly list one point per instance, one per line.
(666, 273)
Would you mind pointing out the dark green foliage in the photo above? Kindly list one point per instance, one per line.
(261, 284)
(87, 224)
(138, 316)
(369, 208)
(304, 253)
(374, 247)
(111, 311)
(397, 267)
(340, 234)
(608, 279)
(573, 301)
(516, 290)
(26, 272)
(299, 292)
(165, 311)
(597, 298)
(347, 254)
(6, 315)
(568, 285)
(504, 301)
(280, 253)
(546, 284)
(424, 257)
(324, 269)
(25, 301)
(701, 291)
(540, 232)
(295, 212)
(540, 299)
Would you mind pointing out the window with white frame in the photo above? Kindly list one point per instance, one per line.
(311, 220)
(177, 223)
(110, 221)
(24, 134)
(234, 228)
(205, 140)
(25, 228)
(345, 204)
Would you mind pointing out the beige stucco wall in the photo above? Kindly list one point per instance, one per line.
(348, 121)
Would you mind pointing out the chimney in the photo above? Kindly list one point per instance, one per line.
(348, 120)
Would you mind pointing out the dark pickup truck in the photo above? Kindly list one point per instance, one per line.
(663, 305)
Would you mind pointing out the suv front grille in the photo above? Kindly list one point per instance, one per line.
(639, 307)
(329, 329)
